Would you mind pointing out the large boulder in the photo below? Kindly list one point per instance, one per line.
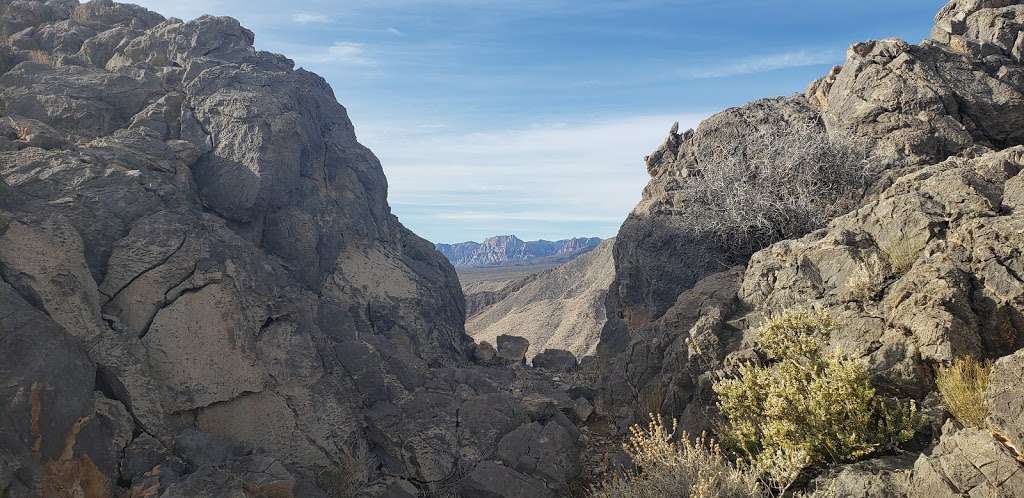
(555, 359)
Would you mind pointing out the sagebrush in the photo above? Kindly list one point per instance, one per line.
(807, 404)
(669, 464)
(773, 184)
(962, 386)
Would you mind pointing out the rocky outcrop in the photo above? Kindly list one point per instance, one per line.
(505, 250)
(479, 295)
(924, 271)
(202, 289)
(923, 267)
(562, 308)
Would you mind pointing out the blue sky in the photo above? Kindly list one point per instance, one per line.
(532, 117)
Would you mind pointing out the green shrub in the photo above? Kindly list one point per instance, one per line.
(962, 386)
(668, 466)
(808, 405)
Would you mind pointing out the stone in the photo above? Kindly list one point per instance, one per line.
(1005, 399)
(484, 352)
(582, 410)
(549, 450)
(880, 477)
(171, 200)
(512, 349)
(493, 480)
(968, 462)
(555, 359)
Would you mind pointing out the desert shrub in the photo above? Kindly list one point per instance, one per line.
(962, 386)
(808, 405)
(40, 57)
(352, 473)
(866, 281)
(901, 255)
(774, 184)
(669, 464)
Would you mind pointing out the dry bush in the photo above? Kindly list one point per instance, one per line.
(901, 255)
(962, 386)
(669, 466)
(40, 57)
(352, 473)
(775, 184)
(808, 405)
(866, 281)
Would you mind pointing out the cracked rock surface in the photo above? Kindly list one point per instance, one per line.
(204, 292)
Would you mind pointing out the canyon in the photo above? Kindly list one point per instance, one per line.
(204, 292)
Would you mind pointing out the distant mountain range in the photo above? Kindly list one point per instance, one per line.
(508, 250)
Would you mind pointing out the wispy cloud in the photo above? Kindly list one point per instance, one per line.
(548, 180)
(395, 31)
(763, 63)
(309, 18)
(341, 52)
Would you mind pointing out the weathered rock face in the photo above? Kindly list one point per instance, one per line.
(938, 253)
(658, 252)
(925, 270)
(202, 289)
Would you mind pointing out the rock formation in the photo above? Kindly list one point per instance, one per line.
(924, 268)
(562, 308)
(506, 250)
(203, 289)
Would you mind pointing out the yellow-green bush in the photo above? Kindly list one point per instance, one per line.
(808, 404)
(962, 386)
(670, 466)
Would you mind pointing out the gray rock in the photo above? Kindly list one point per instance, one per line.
(493, 480)
(555, 359)
(190, 227)
(878, 478)
(1005, 399)
(582, 410)
(512, 349)
(484, 352)
(549, 450)
(968, 462)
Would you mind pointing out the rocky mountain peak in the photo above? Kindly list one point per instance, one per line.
(503, 250)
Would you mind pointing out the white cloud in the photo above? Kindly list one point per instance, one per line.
(309, 18)
(548, 180)
(395, 31)
(342, 52)
(763, 63)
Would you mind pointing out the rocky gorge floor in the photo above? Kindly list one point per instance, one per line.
(203, 291)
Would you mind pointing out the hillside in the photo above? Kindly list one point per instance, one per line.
(562, 308)
(508, 250)
(917, 256)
